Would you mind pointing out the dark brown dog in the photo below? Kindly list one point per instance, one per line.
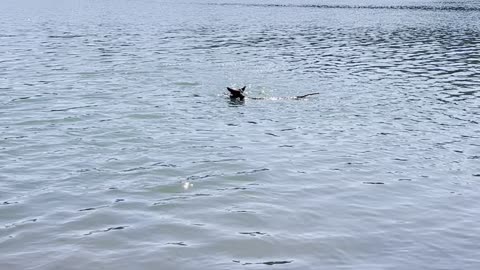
(237, 94)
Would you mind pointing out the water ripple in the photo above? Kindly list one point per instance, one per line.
(119, 148)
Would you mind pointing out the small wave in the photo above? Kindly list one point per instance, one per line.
(64, 36)
(253, 171)
(92, 208)
(8, 203)
(265, 263)
(107, 230)
(177, 244)
(253, 233)
(72, 108)
(374, 183)
(13, 225)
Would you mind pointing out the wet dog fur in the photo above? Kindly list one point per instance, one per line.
(237, 94)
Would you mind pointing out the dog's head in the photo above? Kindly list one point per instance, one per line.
(237, 93)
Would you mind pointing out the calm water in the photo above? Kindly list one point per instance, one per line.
(119, 149)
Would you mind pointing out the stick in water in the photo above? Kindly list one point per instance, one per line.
(304, 96)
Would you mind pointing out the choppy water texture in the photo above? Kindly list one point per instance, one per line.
(119, 150)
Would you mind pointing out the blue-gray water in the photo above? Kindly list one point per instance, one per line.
(119, 149)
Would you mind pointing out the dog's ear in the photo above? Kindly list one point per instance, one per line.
(243, 88)
(231, 90)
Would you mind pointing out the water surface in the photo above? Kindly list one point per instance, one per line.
(119, 149)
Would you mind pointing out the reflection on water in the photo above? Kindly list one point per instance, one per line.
(119, 148)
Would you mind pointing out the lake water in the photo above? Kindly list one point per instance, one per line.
(120, 150)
